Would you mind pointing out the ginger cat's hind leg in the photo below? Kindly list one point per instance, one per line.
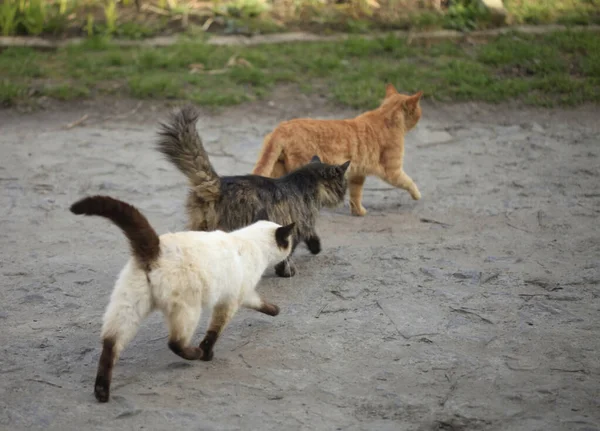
(221, 315)
(400, 179)
(355, 184)
(278, 170)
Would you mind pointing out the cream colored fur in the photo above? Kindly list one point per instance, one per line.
(195, 271)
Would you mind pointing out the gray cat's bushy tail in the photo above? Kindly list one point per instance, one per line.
(180, 143)
(145, 244)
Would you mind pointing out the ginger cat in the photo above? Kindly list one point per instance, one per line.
(373, 142)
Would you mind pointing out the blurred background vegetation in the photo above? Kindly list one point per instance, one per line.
(136, 19)
(559, 68)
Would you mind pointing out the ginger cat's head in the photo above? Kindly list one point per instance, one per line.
(401, 110)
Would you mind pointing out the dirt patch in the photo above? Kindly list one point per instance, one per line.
(475, 308)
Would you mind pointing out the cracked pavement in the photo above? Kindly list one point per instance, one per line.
(475, 308)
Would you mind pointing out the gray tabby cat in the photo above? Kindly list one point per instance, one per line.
(231, 202)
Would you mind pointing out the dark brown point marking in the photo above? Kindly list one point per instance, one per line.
(143, 239)
(283, 235)
(105, 366)
(285, 269)
(186, 352)
(207, 345)
(270, 309)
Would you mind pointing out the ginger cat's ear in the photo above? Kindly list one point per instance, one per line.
(390, 90)
(315, 159)
(412, 101)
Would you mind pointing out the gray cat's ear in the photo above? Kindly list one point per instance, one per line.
(261, 215)
(345, 166)
(282, 235)
(315, 159)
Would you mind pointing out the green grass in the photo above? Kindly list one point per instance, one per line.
(581, 12)
(120, 18)
(558, 69)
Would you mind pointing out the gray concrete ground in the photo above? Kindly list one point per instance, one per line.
(476, 308)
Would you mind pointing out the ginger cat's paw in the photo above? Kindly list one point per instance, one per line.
(357, 211)
(415, 193)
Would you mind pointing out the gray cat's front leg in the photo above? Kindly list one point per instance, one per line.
(313, 243)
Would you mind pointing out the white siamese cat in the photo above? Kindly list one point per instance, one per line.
(181, 274)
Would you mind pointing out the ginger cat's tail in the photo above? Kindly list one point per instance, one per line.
(145, 244)
(269, 156)
(180, 142)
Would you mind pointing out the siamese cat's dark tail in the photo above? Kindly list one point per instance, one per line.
(180, 143)
(145, 244)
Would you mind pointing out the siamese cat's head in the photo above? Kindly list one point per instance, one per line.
(277, 239)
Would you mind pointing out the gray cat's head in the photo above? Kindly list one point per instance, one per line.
(332, 181)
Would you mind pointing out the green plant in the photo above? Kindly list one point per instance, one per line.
(110, 14)
(247, 8)
(62, 8)
(33, 16)
(464, 15)
(8, 17)
(89, 25)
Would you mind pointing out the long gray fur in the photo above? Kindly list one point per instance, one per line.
(232, 202)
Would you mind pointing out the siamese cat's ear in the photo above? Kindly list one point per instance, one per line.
(261, 215)
(315, 159)
(345, 166)
(282, 235)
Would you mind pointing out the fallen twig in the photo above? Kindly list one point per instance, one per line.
(391, 320)
(463, 311)
(491, 277)
(45, 382)
(428, 220)
(76, 123)
(125, 115)
(513, 226)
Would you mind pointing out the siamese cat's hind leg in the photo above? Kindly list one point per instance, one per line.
(123, 316)
(183, 320)
(221, 315)
(255, 302)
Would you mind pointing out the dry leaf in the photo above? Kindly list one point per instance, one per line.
(196, 67)
(244, 62)
(231, 61)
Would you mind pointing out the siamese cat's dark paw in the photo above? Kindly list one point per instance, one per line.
(101, 390)
(285, 269)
